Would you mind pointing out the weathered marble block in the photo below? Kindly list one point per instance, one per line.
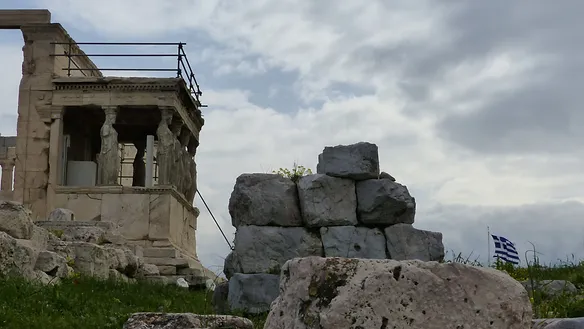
(252, 293)
(384, 202)
(406, 242)
(357, 161)
(264, 249)
(327, 201)
(353, 242)
(264, 199)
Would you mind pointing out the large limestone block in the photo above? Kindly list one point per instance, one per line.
(264, 199)
(384, 202)
(356, 161)
(185, 321)
(38, 240)
(16, 258)
(264, 249)
(333, 293)
(15, 220)
(252, 293)
(327, 201)
(93, 232)
(406, 242)
(232, 265)
(88, 258)
(353, 242)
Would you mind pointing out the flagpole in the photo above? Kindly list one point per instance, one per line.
(489, 246)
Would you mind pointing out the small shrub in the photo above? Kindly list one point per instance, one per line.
(295, 174)
(58, 233)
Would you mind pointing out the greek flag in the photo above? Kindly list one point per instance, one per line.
(505, 250)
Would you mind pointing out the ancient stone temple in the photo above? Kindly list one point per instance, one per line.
(111, 149)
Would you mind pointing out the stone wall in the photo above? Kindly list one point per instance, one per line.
(348, 209)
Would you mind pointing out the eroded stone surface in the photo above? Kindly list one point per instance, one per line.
(357, 161)
(384, 202)
(353, 242)
(52, 264)
(264, 199)
(232, 265)
(573, 323)
(333, 293)
(327, 201)
(264, 249)
(185, 321)
(16, 258)
(15, 220)
(406, 242)
(252, 293)
(61, 214)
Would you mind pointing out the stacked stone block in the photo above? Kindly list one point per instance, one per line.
(347, 209)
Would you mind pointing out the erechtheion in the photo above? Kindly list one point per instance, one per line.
(115, 149)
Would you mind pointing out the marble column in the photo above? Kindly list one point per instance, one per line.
(139, 166)
(109, 158)
(7, 170)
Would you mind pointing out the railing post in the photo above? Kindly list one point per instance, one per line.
(179, 60)
(69, 61)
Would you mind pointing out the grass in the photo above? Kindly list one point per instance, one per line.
(562, 305)
(89, 303)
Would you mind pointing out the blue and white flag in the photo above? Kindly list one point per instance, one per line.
(505, 250)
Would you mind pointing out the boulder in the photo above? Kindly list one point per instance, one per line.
(406, 242)
(38, 240)
(264, 249)
(264, 199)
(333, 293)
(52, 264)
(145, 270)
(252, 293)
(384, 175)
(358, 161)
(61, 214)
(353, 242)
(219, 300)
(87, 258)
(15, 258)
(327, 201)
(551, 288)
(15, 220)
(573, 323)
(185, 321)
(232, 265)
(384, 202)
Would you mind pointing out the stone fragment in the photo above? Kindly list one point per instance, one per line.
(147, 270)
(264, 199)
(357, 161)
(181, 282)
(264, 249)
(571, 323)
(384, 202)
(38, 240)
(15, 220)
(551, 288)
(52, 264)
(353, 242)
(62, 214)
(327, 201)
(232, 265)
(186, 321)
(333, 293)
(219, 300)
(384, 175)
(252, 293)
(406, 242)
(15, 258)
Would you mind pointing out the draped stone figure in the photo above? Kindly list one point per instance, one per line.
(109, 159)
(139, 166)
(165, 154)
(185, 136)
(192, 168)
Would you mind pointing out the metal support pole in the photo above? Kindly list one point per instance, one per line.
(149, 160)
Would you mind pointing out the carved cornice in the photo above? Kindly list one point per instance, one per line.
(50, 112)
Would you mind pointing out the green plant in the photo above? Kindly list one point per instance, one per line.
(295, 174)
(70, 261)
(58, 233)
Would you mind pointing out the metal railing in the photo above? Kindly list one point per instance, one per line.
(182, 70)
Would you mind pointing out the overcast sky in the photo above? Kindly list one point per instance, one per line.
(475, 105)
